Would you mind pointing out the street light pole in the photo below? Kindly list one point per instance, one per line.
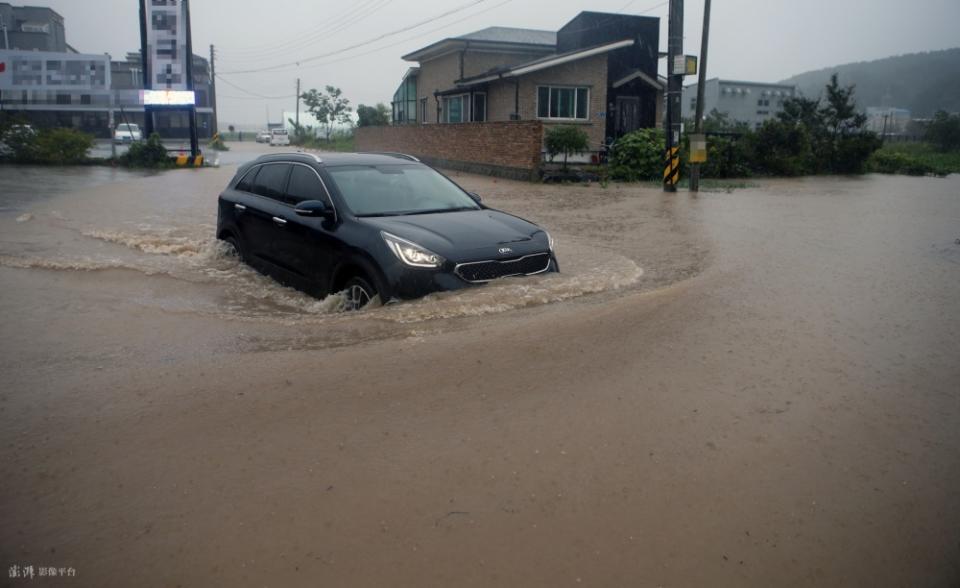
(675, 69)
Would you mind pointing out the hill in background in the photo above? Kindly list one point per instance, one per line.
(920, 82)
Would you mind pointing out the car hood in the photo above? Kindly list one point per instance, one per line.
(466, 235)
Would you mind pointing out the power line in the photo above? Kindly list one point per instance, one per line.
(252, 94)
(290, 97)
(360, 12)
(394, 44)
(367, 42)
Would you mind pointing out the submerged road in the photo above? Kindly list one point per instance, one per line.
(774, 401)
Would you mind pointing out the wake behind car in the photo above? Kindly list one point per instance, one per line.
(372, 225)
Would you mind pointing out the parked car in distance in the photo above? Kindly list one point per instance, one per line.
(279, 137)
(263, 137)
(127, 133)
(369, 225)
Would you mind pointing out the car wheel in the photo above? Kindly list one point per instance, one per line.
(357, 293)
(234, 245)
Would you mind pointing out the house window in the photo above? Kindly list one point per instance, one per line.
(562, 103)
(423, 110)
(479, 107)
(456, 108)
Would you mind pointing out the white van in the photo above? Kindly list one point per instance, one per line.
(127, 133)
(279, 137)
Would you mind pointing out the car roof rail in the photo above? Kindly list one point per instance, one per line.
(282, 154)
(313, 155)
(393, 154)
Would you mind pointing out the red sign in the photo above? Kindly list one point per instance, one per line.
(3, 66)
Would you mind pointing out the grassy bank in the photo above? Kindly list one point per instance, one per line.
(914, 159)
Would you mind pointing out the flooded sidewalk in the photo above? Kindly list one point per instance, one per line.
(747, 388)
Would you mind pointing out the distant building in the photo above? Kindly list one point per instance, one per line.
(752, 103)
(57, 89)
(881, 119)
(32, 28)
(49, 83)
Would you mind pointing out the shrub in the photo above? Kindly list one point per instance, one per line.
(892, 162)
(851, 152)
(638, 155)
(150, 154)
(61, 146)
(727, 157)
(781, 149)
(565, 140)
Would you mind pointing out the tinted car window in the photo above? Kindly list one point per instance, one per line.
(246, 184)
(383, 190)
(271, 181)
(304, 185)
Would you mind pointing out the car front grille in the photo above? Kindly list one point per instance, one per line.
(484, 271)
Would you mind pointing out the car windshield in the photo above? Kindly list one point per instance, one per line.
(128, 127)
(390, 190)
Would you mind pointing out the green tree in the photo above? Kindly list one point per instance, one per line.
(373, 116)
(330, 107)
(943, 132)
(565, 140)
(839, 111)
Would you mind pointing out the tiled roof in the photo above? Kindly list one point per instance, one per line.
(512, 35)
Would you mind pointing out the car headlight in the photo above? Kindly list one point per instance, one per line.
(549, 240)
(410, 253)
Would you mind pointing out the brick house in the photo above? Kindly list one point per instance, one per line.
(599, 71)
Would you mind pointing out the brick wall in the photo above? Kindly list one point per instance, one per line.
(507, 149)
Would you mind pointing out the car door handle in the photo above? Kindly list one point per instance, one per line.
(240, 207)
(279, 221)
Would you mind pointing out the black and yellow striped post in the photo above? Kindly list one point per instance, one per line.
(676, 67)
(184, 160)
(671, 169)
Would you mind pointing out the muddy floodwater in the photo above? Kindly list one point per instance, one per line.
(749, 388)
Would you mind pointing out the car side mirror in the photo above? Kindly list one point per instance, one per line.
(475, 196)
(314, 208)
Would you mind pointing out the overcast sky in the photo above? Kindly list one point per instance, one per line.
(761, 40)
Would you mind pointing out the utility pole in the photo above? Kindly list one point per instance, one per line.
(297, 114)
(213, 91)
(701, 82)
(192, 110)
(675, 69)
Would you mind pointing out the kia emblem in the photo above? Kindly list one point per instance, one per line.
(506, 250)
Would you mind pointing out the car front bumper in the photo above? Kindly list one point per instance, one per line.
(405, 282)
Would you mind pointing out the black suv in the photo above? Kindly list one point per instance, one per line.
(372, 224)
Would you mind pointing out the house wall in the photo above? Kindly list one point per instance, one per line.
(507, 149)
(440, 73)
(436, 75)
(590, 72)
